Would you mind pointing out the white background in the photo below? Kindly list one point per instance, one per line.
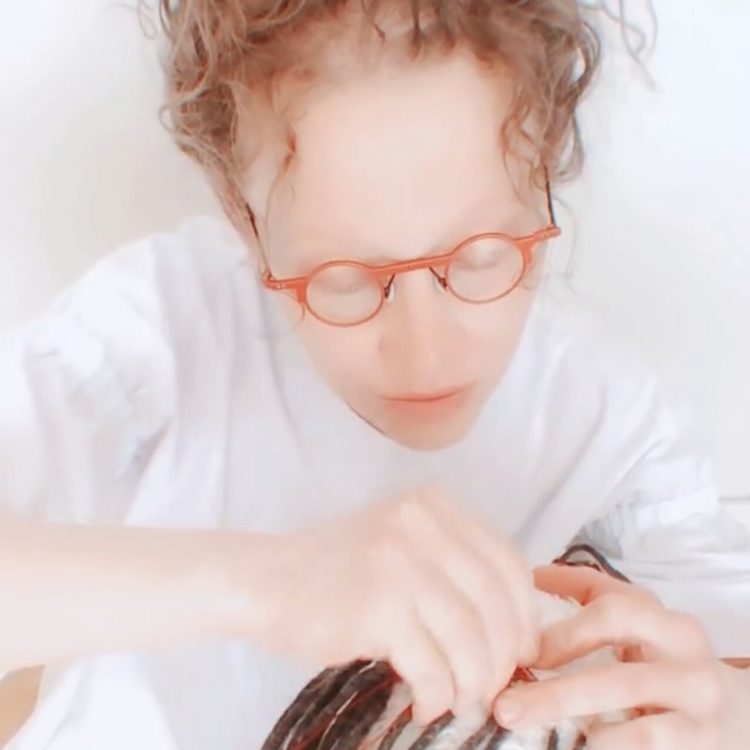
(657, 231)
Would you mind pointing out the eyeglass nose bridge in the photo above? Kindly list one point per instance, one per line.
(389, 289)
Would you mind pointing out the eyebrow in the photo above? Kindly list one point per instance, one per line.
(377, 258)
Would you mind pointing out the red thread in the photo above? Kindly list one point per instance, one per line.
(316, 732)
(522, 674)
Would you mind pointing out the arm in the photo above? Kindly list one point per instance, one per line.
(72, 591)
(86, 393)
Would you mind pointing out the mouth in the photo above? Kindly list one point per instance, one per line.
(434, 397)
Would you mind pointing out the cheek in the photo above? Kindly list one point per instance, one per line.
(341, 355)
(497, 328)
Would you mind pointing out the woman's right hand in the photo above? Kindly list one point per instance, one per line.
(415, 581)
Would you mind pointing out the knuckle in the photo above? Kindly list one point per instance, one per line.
(408, 514)
(431, 494)
(647, 600)
(387, 550)
(436, 502)
(485, 587)
(466, 628)
(630, 595)
(427, 490)
(648, 597)
(690, 629)
(608, 611)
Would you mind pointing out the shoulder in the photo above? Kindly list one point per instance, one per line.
(570, 333)
(622, 413)
(652, 434)
(148, 295)
(144, 278)
(111, 353)
(582, 377)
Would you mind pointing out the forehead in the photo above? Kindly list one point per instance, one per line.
(406, 157)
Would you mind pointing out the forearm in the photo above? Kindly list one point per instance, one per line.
(73, 591)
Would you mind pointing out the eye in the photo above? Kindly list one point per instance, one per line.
(485, 252)
(485, 269)
(344, 294)
(341, 279)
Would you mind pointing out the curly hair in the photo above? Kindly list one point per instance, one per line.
(226, 58)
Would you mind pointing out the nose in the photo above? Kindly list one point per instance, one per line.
(418, 324)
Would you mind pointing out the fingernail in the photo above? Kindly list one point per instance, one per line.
(508, 711)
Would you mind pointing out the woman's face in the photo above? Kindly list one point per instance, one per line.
(395, 165)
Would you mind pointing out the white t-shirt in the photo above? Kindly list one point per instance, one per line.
(160, 390)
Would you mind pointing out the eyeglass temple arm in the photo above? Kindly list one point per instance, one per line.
(550, 205)
(265, 266)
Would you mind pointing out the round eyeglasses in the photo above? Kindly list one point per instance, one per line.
(481, 269)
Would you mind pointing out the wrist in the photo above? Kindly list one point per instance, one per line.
(238, 584)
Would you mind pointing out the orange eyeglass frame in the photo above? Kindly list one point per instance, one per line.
(385, 273)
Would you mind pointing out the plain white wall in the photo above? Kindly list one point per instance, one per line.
(84, 163)
(657, 231)
(661, 232)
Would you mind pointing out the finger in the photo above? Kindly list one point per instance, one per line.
(515, 578)
(509, 567)
(580, 583)
(458, 632)
(658, 732)
(417, 659)
(617, 687)
(481, 584)
(486, 592)
(495, 610)
(621, 618)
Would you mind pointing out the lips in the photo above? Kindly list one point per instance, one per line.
(426, 398)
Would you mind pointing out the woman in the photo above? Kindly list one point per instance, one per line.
(349, 426)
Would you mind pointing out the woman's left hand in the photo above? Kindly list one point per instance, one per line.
(677, 692)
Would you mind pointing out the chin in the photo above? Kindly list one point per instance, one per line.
(421, 433)
(430, 439)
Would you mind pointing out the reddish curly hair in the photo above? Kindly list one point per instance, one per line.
(226, 58)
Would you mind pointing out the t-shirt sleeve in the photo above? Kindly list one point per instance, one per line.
(84, 396)
(667, 530)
